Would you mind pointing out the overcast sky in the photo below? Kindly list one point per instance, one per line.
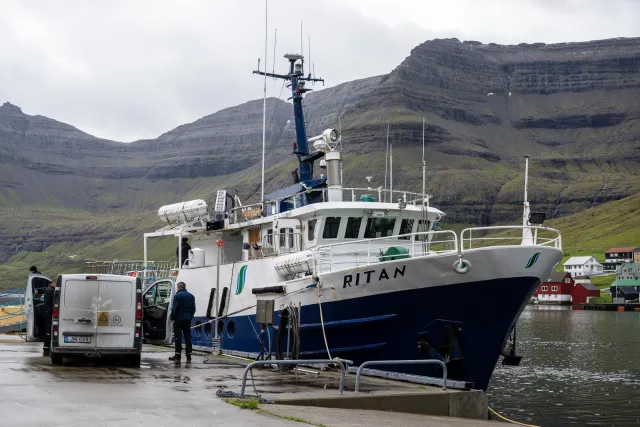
(132, 69)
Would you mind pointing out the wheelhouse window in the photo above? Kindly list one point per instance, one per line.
(406, 226)
(353, 228)
(286, 238)
(423, 227)
(379, 227)
(268, 239)
(311, 230)
(331, 226)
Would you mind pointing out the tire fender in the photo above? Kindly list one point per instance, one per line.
(461, 266)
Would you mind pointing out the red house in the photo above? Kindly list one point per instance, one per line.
(556, 289)
(583, 292)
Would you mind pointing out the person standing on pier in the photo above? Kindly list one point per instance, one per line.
(182, 312)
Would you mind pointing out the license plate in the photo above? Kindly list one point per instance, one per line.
(75, 339)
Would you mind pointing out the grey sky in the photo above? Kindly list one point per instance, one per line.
(131, 69)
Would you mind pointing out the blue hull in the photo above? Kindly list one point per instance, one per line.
(390, 326)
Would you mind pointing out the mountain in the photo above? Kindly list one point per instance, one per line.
(573, 107)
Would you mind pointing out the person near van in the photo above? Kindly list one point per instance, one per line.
(34, 270)
(182, 312)
(184, 251)
(47, 314)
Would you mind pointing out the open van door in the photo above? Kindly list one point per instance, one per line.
(35, 322)
(157, 327)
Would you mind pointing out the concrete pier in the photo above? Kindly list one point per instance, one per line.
(100, 392)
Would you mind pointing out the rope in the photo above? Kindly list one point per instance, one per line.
(508, 420)
(324, 334)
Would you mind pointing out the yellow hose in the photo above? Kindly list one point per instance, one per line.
(510, 421)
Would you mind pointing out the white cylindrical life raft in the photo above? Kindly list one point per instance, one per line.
(298, 262)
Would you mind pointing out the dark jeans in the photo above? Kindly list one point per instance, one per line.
(47, 330)
(181, 327)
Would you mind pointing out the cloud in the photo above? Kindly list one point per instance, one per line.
(127, 70)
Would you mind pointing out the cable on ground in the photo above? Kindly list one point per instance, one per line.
(502, 417)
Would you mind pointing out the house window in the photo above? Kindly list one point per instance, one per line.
(567, 280)
(353, 228)
(554, 288)
(331, 226)
(311, 230)
(405, 228)
(379, 227)
(545, 288)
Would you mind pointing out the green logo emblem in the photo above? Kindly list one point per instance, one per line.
(532, 260)
(242, 276)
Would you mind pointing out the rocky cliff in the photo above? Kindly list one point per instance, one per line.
(574, 107)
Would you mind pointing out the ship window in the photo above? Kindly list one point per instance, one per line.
(311, 230)
(331, 226)
(423, 227)
(379, 227)
(406, 227)
(353, 228)
(269, 237)
(286, 238)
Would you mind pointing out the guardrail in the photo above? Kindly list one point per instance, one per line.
(500, 236)
(387, 196)
(294, 362)
(369, 251)
(403, 362)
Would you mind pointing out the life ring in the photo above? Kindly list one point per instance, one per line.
(220, 243)
(461, 266)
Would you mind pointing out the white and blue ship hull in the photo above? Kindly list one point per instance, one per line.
(404, 303)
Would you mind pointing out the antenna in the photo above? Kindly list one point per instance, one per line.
(301, 48)
(264, 100)
(424, 167)
(309, 50)
(391, 173)
(341, 157)
(386, 165)
(275, 39)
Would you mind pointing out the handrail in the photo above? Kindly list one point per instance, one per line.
(294, 362)
(403, 362)
(537, 240)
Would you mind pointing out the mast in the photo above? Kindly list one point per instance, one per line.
(264, 99)
(527, 236)
(297, 84)
(424, 168)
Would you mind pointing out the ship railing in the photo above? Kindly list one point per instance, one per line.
(281, 243)
(364, 252)
(152, 271)
(386, 196)
(509, 235)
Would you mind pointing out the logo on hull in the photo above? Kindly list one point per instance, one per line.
(242, 277)
(532, 260)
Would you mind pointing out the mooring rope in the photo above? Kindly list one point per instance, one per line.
(502, 417)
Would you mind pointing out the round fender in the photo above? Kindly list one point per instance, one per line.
(461, 266)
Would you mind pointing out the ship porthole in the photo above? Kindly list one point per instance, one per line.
(220, 327)
(231, 328)
(207, 329)
(198, 329)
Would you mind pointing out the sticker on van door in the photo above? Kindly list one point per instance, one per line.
(103, 318)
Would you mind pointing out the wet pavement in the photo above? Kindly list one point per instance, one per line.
(98, 392)
(106, 393)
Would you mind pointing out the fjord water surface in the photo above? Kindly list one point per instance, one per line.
(580, 368)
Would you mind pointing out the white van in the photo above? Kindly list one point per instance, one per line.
(35, 323)
(97, 315)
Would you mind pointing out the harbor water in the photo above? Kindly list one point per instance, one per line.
(580, 368)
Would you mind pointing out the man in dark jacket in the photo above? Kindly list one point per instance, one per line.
(34, 270)
(47, 314)
(182, 311)
(184, 251)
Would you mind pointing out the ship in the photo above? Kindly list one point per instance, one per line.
(355, 273)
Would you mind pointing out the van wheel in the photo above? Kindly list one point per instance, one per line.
(134, 360)
(56, 359)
